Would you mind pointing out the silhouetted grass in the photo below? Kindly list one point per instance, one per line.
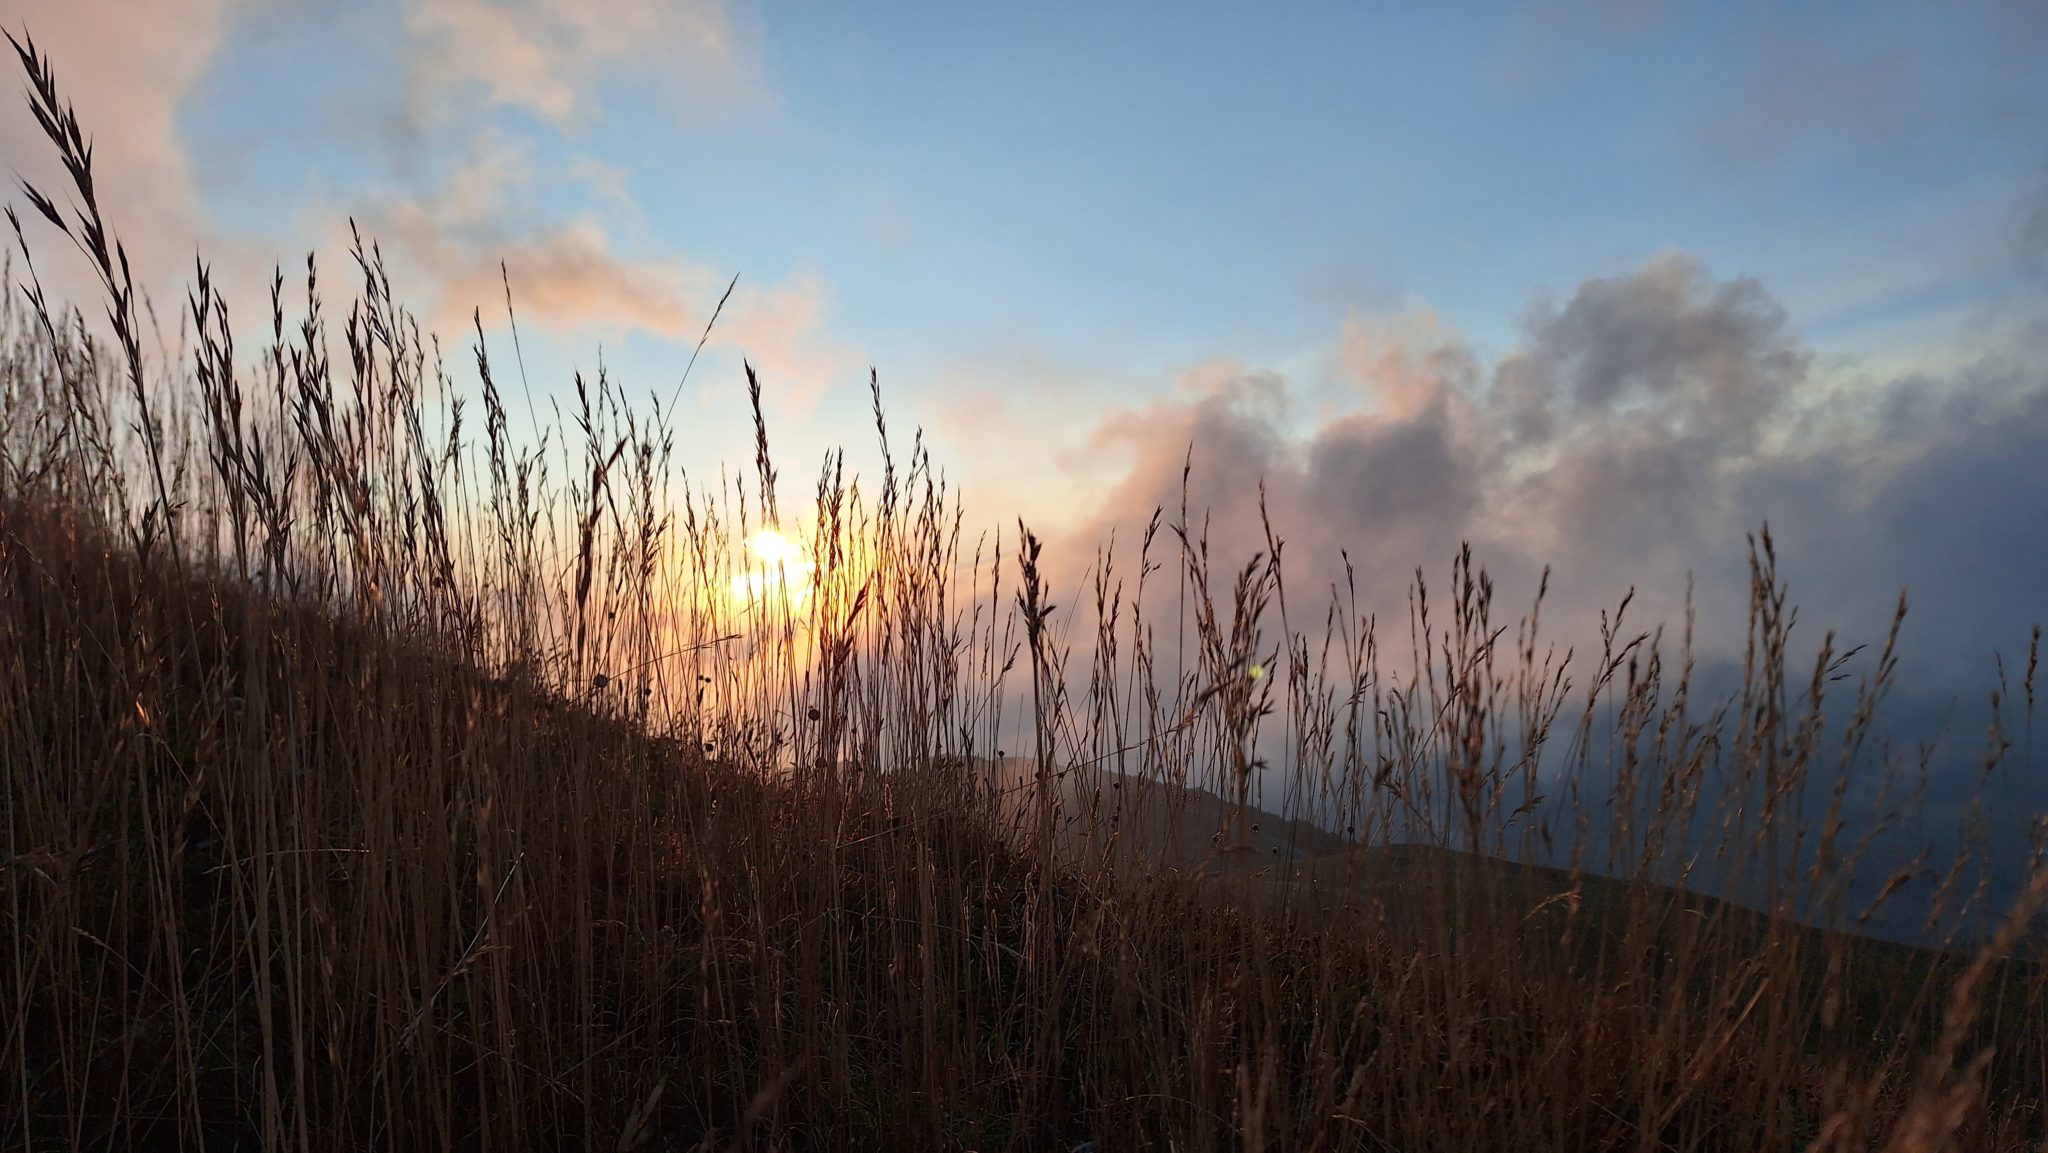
(377, 779)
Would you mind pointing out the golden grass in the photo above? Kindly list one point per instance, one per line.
(370, 783)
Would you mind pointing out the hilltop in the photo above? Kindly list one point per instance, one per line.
(378, 779)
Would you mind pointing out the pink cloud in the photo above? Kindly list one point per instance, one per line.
(575, 278)
(129, 67)
(781, 330)
(126, 68)
(542, 54)
(567, 279)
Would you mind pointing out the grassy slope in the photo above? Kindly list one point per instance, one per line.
(337, 878)
(1436, 900)
(444, 873)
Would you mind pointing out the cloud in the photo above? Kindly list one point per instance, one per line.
(781, 330)
(1634, 435)
(590, 272)
(544, 55)
(1627, 411)
(565, 274)
(1659, 348)
(975, 402)
(571, 278)
(127, 68)
(566, 279)
(1392, 481)
(1942, 491)
(450, 203)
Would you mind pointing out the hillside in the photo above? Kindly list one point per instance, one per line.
(374, 776)
(442, 872)
(1438, 901)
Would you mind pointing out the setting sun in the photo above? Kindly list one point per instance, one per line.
(777, 563)
(1285, 639)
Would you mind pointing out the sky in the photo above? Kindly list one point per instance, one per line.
(1600, 285)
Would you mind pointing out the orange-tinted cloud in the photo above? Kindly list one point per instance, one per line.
(573, 278)
(129, 67)
(781, 330)
(542, 55)
(565, 278)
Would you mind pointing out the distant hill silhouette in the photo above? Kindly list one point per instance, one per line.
(1421, 896)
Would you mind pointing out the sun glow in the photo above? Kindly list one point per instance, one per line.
(780, 569)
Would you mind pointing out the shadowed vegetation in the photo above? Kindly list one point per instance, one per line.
(379, 776)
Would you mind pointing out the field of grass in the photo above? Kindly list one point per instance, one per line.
(375, 777)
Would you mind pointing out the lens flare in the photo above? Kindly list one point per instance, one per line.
(780, 570)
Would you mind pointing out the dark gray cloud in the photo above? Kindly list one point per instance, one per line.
(1660, 347)
(1609, 443)
(1634, 437)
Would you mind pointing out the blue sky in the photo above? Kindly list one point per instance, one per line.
(1598, 285)
(1247, 147)
(1060, 230)
(1158, 186)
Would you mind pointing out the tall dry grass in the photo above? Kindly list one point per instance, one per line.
(378, 778)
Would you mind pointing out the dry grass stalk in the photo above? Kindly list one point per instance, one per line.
(373, 784)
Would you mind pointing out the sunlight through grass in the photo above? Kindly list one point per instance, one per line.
(781, 569)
